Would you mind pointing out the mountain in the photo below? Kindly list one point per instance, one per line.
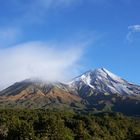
(96, 90)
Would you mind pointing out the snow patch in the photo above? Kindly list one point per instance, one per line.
(87, 80)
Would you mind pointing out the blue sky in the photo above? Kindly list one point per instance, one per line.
(86, 34)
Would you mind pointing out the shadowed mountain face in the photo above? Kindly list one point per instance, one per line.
(98, 90)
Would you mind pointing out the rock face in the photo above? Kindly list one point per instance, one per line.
(97, 89)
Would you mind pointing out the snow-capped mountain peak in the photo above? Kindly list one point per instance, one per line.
(100, 73)
(103, 81)
(104, 73)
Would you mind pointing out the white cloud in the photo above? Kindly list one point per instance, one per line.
(38, 59)
(133, 29)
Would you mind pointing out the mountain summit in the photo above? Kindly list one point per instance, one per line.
(103, 81)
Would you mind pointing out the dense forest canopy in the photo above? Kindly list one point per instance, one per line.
(40, 124)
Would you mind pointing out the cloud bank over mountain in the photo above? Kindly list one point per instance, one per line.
(38, 60)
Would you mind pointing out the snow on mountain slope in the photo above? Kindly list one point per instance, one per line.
(103, 81)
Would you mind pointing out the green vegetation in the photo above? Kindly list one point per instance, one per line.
(55, 125)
